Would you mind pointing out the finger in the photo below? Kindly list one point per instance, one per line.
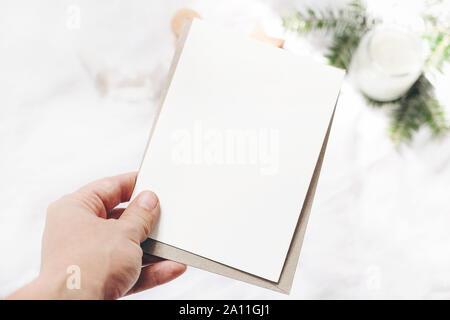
(115, 213)
(157, 274)
(148, 259)
(103, 195)
(140, 216)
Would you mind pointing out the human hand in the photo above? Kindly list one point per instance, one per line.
(85, 232)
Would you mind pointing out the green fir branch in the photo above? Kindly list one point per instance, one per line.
(439, 43)
(419, 106)
(347, 27)
(437, 34)
(341, 51)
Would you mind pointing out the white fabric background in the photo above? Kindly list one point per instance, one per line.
(380, 222)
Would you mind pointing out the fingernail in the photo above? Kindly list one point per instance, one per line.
(147, 200)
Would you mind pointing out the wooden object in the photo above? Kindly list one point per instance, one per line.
(179, 17)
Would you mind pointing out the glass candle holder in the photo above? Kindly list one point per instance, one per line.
(387, 62)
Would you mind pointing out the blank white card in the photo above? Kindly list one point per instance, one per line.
(234, 148)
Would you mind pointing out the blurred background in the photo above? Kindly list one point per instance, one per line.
(80, 82)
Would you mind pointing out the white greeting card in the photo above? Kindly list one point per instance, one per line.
(233, 150)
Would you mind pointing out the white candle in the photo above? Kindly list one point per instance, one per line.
(387, 63)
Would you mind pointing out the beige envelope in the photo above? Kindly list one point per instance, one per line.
(284, 284)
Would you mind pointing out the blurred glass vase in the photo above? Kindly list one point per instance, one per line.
(387, 62)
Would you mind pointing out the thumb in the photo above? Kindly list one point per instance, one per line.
(141, 215)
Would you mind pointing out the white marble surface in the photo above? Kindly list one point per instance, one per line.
(381, 219)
